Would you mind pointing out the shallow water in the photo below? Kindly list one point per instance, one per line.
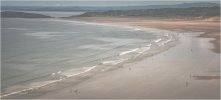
(40, 50)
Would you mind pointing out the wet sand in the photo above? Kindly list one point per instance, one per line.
(190, 70)
(187, 71)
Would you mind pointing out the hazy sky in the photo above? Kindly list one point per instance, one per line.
(95, 3)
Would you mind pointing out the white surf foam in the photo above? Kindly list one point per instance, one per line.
(143, 49)
(36, 85)
(75, 71)
(165, 42)
(157, 40)
(113, 62)
(137, 29)
(129, 51)
(44, 34)
(166, 34)
(148, 45)
(21, 29)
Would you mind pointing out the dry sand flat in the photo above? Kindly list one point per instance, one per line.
(190, 70)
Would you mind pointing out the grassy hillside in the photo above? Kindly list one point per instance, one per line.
(201, 12)
(13, 14)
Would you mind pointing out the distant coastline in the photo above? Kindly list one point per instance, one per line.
(188, 13)
(16, 14)
(162, 13)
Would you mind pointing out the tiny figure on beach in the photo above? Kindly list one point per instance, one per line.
(187, 83)
(76, 91)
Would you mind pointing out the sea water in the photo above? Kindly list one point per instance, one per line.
(40, 51)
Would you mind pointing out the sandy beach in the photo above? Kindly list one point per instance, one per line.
(189, 70)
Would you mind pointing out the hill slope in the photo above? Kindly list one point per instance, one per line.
(166, 12)
(13, 14)
(96, 9)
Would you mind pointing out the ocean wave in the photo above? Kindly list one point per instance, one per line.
(143, 49)
(60, 74)
(32, 86)
(157, 40)
(137, 29)
(44, 34)
(75, 71)
(129, 51)
(164, 42)
(47, 34)
(20, 29)
(113, 62)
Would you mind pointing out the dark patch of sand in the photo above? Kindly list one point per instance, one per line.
(206, 77)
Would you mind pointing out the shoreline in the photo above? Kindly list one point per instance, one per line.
(140, 56)
(210, 25)
(108, 81)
